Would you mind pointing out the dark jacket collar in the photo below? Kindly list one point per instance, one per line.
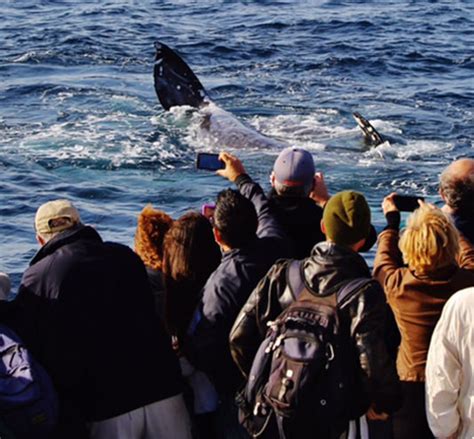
(330, 264)
(465, 224)
(301, 204)
(68, 236)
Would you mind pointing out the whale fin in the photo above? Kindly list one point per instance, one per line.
(372, 137)
(175, 82)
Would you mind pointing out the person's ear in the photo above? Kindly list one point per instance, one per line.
(323, 227)
(41, 241)
(272, 178)
(359, 244)
(217, 235)
(441, 194)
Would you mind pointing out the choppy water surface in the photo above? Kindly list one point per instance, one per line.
(79, 117)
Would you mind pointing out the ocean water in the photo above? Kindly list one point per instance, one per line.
(79, 117)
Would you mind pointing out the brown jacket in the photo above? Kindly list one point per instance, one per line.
(417, 301)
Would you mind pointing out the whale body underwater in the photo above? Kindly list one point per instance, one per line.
(177, 85)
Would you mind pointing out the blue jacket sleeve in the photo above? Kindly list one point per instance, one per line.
(268, 225)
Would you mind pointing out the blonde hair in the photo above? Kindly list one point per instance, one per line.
(151, 228)
(430, 240)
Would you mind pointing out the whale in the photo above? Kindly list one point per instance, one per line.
(372, 137)
(177, 85)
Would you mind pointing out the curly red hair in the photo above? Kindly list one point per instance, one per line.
(152, 226)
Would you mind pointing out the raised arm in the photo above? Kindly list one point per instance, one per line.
(235, 172)
(388, 259)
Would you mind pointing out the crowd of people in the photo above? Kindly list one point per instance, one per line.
(161, 341)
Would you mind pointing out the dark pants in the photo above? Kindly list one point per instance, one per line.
(410, 421)
(228, 426)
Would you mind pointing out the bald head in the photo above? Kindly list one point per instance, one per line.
(457, 185)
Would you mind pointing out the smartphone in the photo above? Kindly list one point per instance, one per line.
(407, 203)
(208, 161)
(208, 210)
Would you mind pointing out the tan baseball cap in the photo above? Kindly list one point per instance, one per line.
(56, 216)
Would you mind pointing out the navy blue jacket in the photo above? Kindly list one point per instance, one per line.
(229, 287)
(86, 311)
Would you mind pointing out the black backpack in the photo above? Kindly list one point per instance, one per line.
(305, 371)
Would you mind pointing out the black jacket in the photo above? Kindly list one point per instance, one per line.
(328, 266)
(300, 218)
(228, 288)
(155, 277)
(465, 224)
(86, 311)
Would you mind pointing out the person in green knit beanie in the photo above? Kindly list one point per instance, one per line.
(346, 218)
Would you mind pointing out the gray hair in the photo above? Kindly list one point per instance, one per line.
(58, 222)
(458, 192)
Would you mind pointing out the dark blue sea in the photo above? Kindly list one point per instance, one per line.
(79, 117)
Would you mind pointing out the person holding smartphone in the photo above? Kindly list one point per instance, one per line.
(419, 271)
(251, 240)
(298, 196)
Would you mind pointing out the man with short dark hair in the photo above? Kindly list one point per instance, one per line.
(332, 264)
(85, 309)
(251, 240)
(456, 188)
(235, 219)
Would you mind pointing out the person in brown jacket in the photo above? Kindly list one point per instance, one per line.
(439, 262)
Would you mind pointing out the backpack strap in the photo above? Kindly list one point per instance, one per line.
(350, 288)
(295, 278)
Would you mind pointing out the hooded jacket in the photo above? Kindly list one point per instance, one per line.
(86, 311)
(328, 266)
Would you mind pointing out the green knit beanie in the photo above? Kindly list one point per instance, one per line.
(346, 218)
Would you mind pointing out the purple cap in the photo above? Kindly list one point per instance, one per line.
(294, 167)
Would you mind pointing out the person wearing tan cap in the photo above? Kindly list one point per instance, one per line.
(53, 218)
(86, 311)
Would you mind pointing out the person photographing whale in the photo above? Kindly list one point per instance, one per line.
(298, 195)
(251, 240)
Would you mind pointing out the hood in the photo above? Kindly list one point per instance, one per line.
(330, 264)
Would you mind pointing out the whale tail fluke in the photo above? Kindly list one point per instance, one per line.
(372, 137)
(175, 82)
